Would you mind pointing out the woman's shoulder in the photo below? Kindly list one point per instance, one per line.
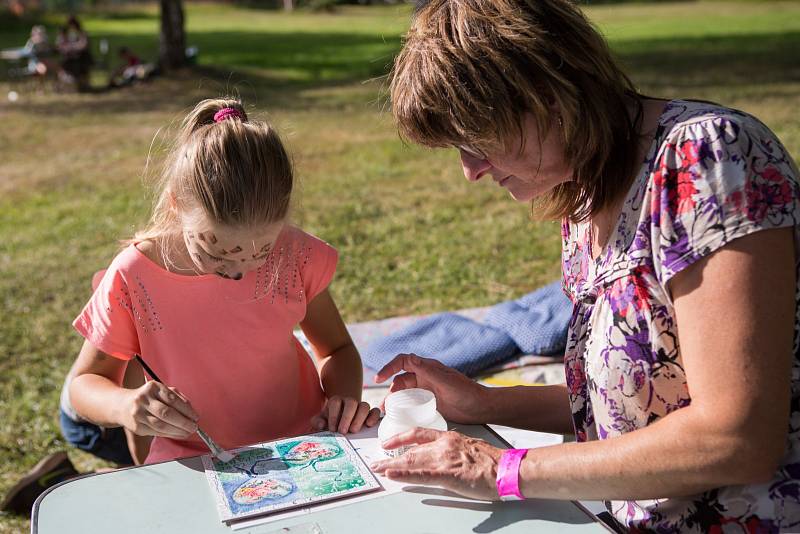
(716, 148)
(702, 121)
(682, 112)
(719, 175)
(708, 149)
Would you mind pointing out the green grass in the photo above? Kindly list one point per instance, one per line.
(413, 235)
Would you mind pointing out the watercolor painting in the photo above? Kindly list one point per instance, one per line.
(285, 474)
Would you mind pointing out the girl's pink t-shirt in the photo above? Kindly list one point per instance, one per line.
(226, 345)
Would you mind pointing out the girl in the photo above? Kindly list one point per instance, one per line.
(208, 294)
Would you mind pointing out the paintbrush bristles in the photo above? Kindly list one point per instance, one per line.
(225, 456)
(215, 449)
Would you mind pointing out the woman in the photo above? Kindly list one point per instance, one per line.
(73, 45)
(679, 236)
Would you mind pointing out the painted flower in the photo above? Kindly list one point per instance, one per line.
(312, 451)
(258, 489)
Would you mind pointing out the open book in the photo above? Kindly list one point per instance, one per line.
(288, 473)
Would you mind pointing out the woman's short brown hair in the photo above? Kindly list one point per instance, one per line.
(470, 69)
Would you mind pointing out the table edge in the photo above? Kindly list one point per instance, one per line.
(41, 497)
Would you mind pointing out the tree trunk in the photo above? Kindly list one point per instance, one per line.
(172, 45)
(288, 5)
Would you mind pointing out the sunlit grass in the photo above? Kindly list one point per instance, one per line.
(413, 235)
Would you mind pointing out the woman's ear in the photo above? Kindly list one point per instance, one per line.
(173, 201)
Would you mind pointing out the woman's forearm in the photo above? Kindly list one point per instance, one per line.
(540, 408)
(341, 373)
(682, 454)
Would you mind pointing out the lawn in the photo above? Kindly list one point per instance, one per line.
(413, 235)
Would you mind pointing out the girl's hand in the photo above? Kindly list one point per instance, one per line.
(345, 414)
(156, 410)
(467, 466)
(458, 399)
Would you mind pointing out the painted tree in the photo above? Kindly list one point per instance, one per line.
(172, 44)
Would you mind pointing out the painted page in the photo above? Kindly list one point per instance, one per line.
(285, 474)
(368, 448)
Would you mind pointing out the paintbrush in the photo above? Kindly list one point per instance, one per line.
(215, 449)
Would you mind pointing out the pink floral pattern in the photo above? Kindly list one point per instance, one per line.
(712, 175)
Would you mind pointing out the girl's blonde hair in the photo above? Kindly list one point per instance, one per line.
(470, 70)
(233, 171)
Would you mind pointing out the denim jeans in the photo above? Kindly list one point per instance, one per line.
(106, 443)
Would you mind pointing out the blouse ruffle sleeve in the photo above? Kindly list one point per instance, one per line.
(717, 179)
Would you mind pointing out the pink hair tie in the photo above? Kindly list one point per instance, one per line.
(226, 113)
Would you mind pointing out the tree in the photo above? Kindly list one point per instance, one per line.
(172, 44)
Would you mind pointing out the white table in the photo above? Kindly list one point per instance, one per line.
(174, 497)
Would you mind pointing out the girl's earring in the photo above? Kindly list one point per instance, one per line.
(560, 122)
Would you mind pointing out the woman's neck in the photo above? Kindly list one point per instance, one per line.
(604, 221)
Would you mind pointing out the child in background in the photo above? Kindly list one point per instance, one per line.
(39, 51)
(125, 73)
(208, 294)
(131, 69)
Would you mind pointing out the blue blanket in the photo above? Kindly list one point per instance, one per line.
(533, 324)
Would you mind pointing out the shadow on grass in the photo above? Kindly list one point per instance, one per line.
(302, 56)
(305, 56)
(186, 88)
(278, 67)
(275, 66)
(732, 60)
(123, 15)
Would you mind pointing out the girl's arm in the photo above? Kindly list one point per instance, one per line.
(735, 311)
(152, 409)
(337, 358)
(339, 367)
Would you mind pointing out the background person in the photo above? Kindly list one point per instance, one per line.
(72, 43)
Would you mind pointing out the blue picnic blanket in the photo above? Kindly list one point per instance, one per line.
(533, 324)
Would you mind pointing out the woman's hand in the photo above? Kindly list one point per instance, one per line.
(157, 410)
(345, 414)
(458, 399)
(467, 466)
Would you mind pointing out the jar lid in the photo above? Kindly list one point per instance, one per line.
(416, 406)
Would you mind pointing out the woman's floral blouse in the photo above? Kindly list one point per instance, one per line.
(712, 175)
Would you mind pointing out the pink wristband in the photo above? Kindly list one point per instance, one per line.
(508, 474)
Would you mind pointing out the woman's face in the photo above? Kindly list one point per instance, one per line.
(527, 174)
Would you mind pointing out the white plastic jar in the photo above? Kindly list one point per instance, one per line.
(407, 409)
